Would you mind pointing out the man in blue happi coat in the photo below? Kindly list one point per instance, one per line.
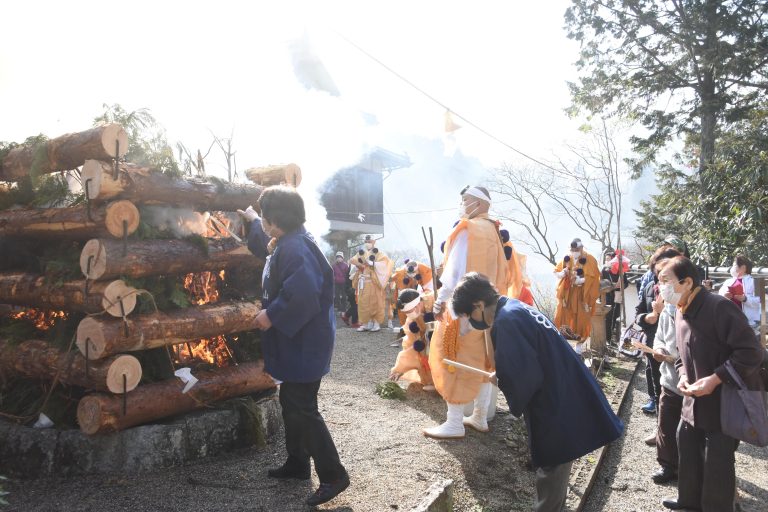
(298, 327)
(542, 378)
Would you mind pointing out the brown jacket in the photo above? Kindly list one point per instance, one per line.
(711, 331)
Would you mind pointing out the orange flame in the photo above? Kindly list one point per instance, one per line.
(42, 319)
(213, 351)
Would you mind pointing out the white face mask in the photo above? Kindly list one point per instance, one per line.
(412, 314)
(466, 211)
(369, 246)
(734, 271)
(668, 293)
(575, 256)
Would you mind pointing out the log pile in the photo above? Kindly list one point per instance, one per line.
(140, 304)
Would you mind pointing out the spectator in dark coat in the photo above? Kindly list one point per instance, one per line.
(543, 379)
(710, 330)
(299, 329)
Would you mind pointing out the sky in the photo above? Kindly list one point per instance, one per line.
(227, 67)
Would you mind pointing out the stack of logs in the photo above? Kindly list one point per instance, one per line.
(114, 192)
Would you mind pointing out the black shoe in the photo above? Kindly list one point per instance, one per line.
(328, 491)
(664, 475)
(672, 504)
(290, 471)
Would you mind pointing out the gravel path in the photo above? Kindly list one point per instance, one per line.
(624, 482)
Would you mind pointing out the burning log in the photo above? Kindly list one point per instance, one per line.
(73, 223)
(105, 259)
(66, 152)
(289, 174)
(37, 359)
(35, 290)
(149, 186)
(100, 414)
(106, 336)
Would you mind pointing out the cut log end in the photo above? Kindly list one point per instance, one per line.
(93, 259)
(124, 365)
(288, 174)
(114, 137)
(91, 417)
(114, 293)
(122, 218)
(90, 338)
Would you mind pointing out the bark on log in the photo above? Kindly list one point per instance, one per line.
(63, 153)
(103, 258)
(34, 290)
(107, 336)
(288, 174)
(37, 359)
(70, 223)
(100, 414)
(149, 186)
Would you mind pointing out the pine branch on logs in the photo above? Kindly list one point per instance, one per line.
(289, 174)
(100, 414)
(66, 152)
(72, 223)
(107, 336)
(24, 289)
(149, 186)
(104, 259)
(39, 360)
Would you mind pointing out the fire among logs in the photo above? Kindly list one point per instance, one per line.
(100, 414)
(65, 152)
(39, 360)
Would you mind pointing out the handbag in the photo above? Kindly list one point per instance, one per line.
(743, 412)
(631, 333)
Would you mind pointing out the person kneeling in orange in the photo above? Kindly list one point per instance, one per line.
(411, 275)
(414, 355)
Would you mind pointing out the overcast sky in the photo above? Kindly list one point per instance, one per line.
(203, 67)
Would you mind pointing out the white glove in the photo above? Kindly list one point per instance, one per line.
(437, 308)
(561, 274)
(371, 262)
(587, 309)
(249, 214)
(579, 281)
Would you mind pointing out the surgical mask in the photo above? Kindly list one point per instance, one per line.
(467, 214)
(479, 325)
(412, 314)
(668, 293)
(368, 246)
(734, 271)
(575, 256)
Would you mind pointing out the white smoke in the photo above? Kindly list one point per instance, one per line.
(181, 222)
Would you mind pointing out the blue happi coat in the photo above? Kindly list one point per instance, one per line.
(541, 376)
(298, 297)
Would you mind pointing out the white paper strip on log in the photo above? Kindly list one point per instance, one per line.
(103, 258)
(37, 359)
(37, 291)
(288, 174)
(71, 223)
(106, 336)
(63, 153)
(150, 186)
(101, 414)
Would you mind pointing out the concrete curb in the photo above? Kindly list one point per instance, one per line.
(439, 498)
(30, 453)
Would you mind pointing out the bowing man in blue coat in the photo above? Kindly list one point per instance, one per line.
(298, 327)
(542, 378)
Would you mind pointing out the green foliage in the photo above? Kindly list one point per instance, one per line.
(147, 142)
(50, 190)
(167, 293)
(253, 428)
(722, 211)
(390, 390)
(25, 397)
(675, 68)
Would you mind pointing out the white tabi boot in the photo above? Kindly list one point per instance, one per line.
(365, 327)
(479, 418)
(389, 324)
(375, 327)
(452, 428)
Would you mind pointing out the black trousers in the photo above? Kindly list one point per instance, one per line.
(670, 406)
(352, 309)
(653, 377)
(305, 432)
(340, 296)
(707, 473)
